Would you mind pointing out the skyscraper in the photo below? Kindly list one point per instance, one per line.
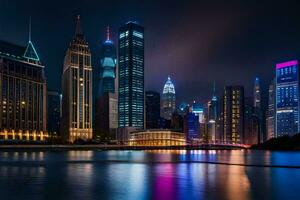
(270, 120)
(168, 100)
(256, 94)
(77, 89)
(131, 75)
(233, 114)
(106, 117)
(251, 123)
(54, 112)
(23, 109)
(213, 115)
(287, 98)
(152, 110)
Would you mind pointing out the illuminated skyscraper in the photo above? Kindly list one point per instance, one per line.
(77, 89)
(168, 100)
(106, 117)
(233, 114)
(287, 98)
(131, 75)
(213, 106)
(23, 109)
(270, 121)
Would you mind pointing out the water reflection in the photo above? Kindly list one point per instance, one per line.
(148, 175)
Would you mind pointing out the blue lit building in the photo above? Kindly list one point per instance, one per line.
(191, 127)
(131, 75)
(108, 66)
(287, 98)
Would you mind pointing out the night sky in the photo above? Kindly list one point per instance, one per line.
(196, 42)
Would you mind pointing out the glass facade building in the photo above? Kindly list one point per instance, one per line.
(270, 121)
(77, 89)
(23, 108)
(287, 98)
(152, 109)
(131, 75)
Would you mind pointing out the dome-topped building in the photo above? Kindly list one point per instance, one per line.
(168, 100)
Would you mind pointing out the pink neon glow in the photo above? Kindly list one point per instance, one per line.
(286, 64)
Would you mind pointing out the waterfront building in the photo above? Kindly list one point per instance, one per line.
(233, 114)
(152, 109)
(287, 98)
(251, 123)
(191, 127)
(131, 75)
(54, 102)
(77, 89)
(258, 109)
(168, 100)
(157, 137)
(23, 96)
(270, 120)
(198, 110)
(106, 116)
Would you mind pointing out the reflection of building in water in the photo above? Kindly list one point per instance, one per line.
(156, 138)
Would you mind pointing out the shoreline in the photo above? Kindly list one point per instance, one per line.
(16, 147)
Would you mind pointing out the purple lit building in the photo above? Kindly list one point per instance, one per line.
(287, 98)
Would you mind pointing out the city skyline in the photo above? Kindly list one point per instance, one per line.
(185, 63)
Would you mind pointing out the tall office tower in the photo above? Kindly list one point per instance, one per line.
(233, 114)
(152, 110)
(198, 109)
(191, 127)
(168, 100)
(77, 89)
(270, 120)
(131, 75)
(258, 109)
(23, 109)
(287, 98)
(106, 116)
(257, 94)
(251, 123)
(213, 116)
(54, 112)
(213, 106)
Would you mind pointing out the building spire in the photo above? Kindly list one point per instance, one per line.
(107, 34)
(78, 30)
(29, 30)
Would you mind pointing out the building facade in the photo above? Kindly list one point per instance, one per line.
(191, 127)
(54, 112)
(23, 100)
(131, 76)
(156, 138)
(270, 120)
(287, 98)
(152, 109)
(233, 114)
(168, 104)
(77, 89)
